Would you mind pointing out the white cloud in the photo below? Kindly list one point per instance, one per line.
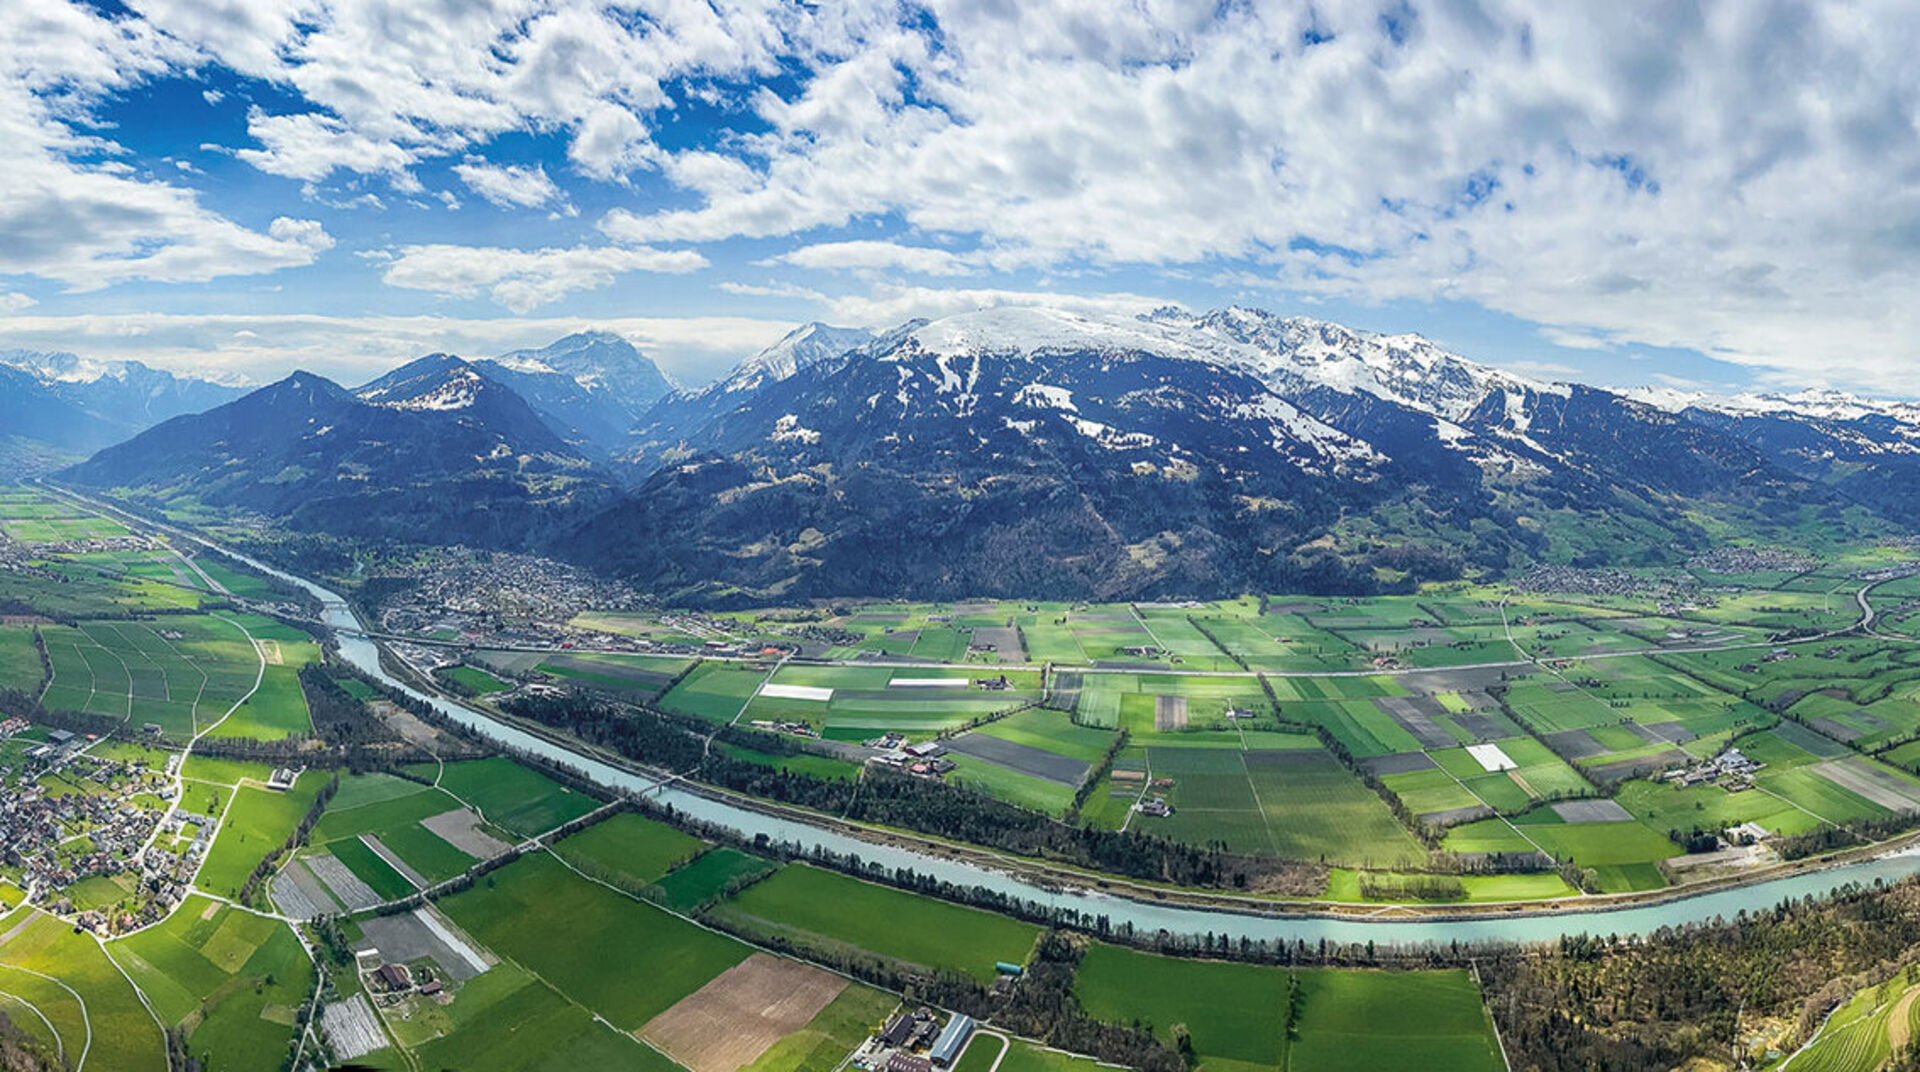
(872, 255)
(510, 186)
(261, 348)
(75, 213)
(523, 280)
(311, 146)
(13, 301)
(888, 304)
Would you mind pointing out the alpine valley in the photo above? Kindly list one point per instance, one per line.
(1032, 451)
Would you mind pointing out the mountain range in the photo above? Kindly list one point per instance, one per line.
(60, 406)
(1037, 452)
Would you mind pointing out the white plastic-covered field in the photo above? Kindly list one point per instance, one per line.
(1491, 757)
(796, 692)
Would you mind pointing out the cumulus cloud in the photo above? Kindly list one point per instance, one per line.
(873, 255)
(75, 213)
(523, 280)
(888, 304)
(1734, 177)
(509, 186)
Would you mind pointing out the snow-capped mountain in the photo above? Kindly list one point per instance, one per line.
(663, 429)
(803, 347)
(1161, 454)
(1867, 449)
(592, 387)
(1045, 452)
(123, 396)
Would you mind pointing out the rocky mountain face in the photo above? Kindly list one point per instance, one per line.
(432, 452)
(1037, 451)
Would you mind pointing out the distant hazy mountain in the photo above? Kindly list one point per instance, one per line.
(1866, 449)
(57, 403)
(432, 452)
(592, 387)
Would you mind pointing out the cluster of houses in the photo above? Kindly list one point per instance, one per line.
(924, 760)
(1730, 770)
(391, 982)
(916, 1042)
(56, 840)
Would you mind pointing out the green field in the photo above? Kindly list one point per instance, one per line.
(124, 1034)
(708, 877)
(536, 912)
(628, 850)
(810, 904)
(232, 979)
(258, 822)
(511, 796)
(1412, 1021)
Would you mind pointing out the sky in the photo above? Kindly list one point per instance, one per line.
(1720, 196)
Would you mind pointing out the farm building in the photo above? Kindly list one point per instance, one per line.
(946, 1048)
(907, 1062)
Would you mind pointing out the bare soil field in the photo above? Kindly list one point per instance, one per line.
(728, 1023)
(461, 829)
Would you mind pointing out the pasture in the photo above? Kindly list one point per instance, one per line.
(814, 906)
(1348, 1018)
(629, 850)
(230, 979)
(535, 912)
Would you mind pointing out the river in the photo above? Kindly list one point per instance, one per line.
(1144, 916)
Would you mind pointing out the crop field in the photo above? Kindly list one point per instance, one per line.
(812, 905)
(124, 1034)
(230, 978)
(1349, 1018)
(1864, 1033)
(62, 529)
(631, 676)
(825, 1041)
(1128, 701)
(1295, 802)
(514, 797)
(395, 814)
(182, 673)
(506, 1018)
(534, 911)
(628, 850)
(714, 690)
(856, 703)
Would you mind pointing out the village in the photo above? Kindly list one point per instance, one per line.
(72, 826)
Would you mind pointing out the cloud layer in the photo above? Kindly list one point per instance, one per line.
(1739, 177)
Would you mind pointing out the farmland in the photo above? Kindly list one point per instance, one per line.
(820, 906)
(1236, 1014)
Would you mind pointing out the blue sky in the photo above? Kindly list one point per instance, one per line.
(1722, 196)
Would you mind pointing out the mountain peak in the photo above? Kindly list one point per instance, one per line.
(803, 347)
